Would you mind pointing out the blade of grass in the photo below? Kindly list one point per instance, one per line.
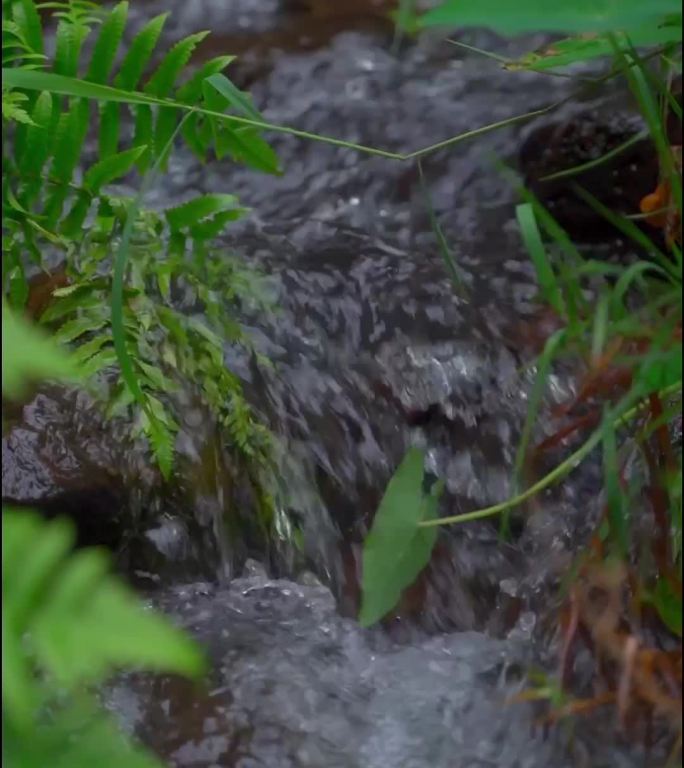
(67, 86)
(577, 169)
(631, 230)
(560, 471)
(535, 247)
(544, 362)
(444, 249)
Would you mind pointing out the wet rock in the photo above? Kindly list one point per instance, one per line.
(620, 183)
(295, 686)
(61, 456)
(58, 458)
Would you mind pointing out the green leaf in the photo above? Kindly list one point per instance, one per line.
(107, 44)
(28, 20)
(191, 91)
(164, 78)
(110, 126)
(143, 135)
(36, 148)
(86, 323)
(105, 358)
(562, 53)
(660, 369)
(198, 209)
(139, 53)
(72, 224)
(76, 298)
(669, 606)
(579, 16)
(71, 133)
(236, 98)
(213, 226)
(535, 247)
(70, 39)
(165, 126)
(83, 623)
(27, 355)
(112, 168)
(396, 549)
(246, 146)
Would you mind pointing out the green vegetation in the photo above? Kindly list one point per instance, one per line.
(55, 203)
(67, 624)
(68, 159)
(628, 337)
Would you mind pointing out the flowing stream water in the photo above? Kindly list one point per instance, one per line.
(372, 349)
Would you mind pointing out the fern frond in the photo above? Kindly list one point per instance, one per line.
(13, 107)
(49, 203)
(107, 44)
(171, 66)
(27, 19)
(71, 609)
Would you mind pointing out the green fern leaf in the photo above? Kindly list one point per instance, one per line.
(214, 225)
(84, 298)
(105, 358)
(27, 19)
(36, 148)
(199, 208)
(143, 135)
(72, 128)
(13, 109)
(71, 133)
(191, 91)
(110, 127)
(160, 433)
(246, 146)
(72, 224)
(167, 121)
(79, 326)
(236, 98)
(111, 168)
(86, 351)
(69, 41)
(107, 44)
(197, 139)
(74, 618)
(139, 53)
(166, 74)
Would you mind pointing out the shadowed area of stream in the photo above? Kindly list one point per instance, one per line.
(372, 349)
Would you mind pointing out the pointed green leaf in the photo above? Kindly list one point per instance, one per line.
(236, 98)
(580, 16)
(191, 91)
(110, 126)
(109, 38)
(28, 19)
(396, 549)
(164, 78)
(199, 208)
(139, 53)
(112, 168)
(71, 133)
(28, 355)
(36, 148)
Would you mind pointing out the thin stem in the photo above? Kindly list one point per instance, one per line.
(67, 86)
(598, 161)
(573, 461)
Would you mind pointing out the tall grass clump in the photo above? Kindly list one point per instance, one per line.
(622, 325)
